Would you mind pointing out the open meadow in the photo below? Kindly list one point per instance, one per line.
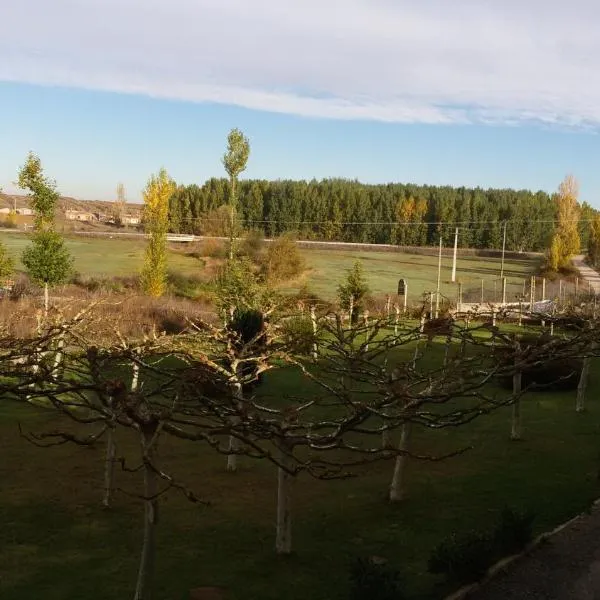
(326, 268)
(56, 542)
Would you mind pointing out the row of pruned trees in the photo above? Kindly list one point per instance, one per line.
(359, 402)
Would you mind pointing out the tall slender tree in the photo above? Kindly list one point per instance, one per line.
(565, 242)
(119, 205)
(234, 161)
(47, 260)
(158, 191)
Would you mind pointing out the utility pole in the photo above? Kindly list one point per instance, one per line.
(454, 256)
(503, 250)
(437, 291)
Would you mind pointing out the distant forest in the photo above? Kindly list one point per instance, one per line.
(349, 211)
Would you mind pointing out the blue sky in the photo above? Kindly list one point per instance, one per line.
(462, 93)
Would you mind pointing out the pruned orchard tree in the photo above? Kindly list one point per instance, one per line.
(234, 161)
(188, 387)
(47, 259)
(159, 190)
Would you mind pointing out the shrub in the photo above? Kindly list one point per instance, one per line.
(374, 581)
(298, 335)
(213, 248)
(514, 531)
(184, 286)
(10, 222)
(463, 559)
(282, 260)
(252, 244)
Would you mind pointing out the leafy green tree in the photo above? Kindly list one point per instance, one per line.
(157, 194)
(352, 293)
(234, 161)
(47, 260)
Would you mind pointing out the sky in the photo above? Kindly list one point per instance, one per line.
(483, 93)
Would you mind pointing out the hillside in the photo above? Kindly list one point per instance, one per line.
(67, 203)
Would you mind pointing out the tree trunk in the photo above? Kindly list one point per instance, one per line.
(109, 467)
(232, 458)
(59, 355)
(46, 299)
(515, 433)
(143, 589)
(582, 385)
(397, 486)
(233, 441)
(283, 538)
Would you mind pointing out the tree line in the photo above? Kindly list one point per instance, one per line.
(350, 211)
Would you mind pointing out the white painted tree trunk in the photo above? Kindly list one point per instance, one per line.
(398, 484)
(58, 356)
(233, 441)
(283, 537)
(582, 385)
(143, 589)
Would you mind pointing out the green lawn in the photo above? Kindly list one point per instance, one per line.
(106, 257)
(56, 542)
(383, 269)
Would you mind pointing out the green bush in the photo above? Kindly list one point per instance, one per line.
(466, 558)
(513, 531)
(298, 335)
(374, 581)
(463, 559)
(282, 260)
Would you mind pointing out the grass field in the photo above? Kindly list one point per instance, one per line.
(56, 542)
(101, 256)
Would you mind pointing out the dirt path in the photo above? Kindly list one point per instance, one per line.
(587, 273)
(566, 567)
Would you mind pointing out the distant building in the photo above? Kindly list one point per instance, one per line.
(25, 211)
(103, 217)
(131, 220)
(5, 211)
(79, 215)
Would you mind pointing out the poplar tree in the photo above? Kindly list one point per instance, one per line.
(47, 260)
(234, 161)
(158, 191)
(119, 205)
(594, 241)
(565, 241)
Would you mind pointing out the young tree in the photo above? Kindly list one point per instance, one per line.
(234, 161)
(47, 260)
(351, 294)
(565, 241)
(158, 191)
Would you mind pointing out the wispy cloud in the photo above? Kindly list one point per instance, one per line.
(433, 61)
